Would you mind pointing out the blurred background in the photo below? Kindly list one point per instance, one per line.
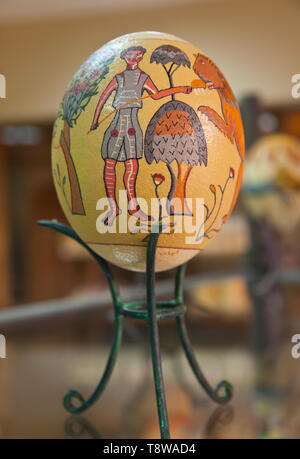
(242, 293)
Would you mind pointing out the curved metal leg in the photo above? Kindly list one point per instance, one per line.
(179, 283)
(74, 394)
(214, 394)
(154, 338)
(224, 386)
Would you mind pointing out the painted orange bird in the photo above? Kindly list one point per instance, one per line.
(231, 123)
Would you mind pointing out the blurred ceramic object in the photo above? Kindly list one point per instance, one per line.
(271, 186)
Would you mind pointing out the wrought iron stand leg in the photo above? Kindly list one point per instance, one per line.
(179, 284)
(154, 339)
(74, 394)
(224, 386)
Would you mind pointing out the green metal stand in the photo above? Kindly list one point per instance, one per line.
(151, 312)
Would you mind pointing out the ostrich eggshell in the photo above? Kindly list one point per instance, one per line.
(150, 119)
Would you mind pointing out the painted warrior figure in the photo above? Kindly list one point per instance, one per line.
(123, 139)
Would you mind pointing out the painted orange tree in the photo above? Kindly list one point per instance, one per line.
(82, 88)
(174, 134)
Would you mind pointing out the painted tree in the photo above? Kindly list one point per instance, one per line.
(171, 58)
(81, 89)
(174, 134)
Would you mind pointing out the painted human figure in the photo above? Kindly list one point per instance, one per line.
(123, 139)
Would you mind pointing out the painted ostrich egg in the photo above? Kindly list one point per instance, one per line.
(271, 187)
(148, 138)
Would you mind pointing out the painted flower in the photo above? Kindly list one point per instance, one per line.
(212, 188)
(95, 73)
(79, 87)
(231, 172)
(158, 179)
